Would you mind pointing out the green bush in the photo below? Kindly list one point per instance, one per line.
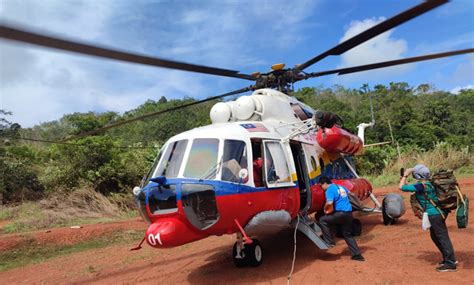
(18, 174)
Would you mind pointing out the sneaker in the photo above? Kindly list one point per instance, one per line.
(446, 268)
(358, 257)
(442, 262)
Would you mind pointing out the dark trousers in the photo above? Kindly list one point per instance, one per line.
(439, 235)
(344, 220)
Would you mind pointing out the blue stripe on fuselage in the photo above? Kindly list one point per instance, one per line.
(222, 188)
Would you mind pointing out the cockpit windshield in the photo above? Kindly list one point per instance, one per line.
(234, 159)
(202, 159)
(172, 159)
(151, 172)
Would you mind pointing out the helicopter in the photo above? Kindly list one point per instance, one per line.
(254, 171)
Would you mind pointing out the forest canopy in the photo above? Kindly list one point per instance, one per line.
(418, 118)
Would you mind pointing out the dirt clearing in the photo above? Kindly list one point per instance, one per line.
(401, 254)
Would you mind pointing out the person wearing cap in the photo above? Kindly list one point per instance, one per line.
(338, 210)
(426, 196)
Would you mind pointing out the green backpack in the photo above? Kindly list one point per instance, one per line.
(462, 212)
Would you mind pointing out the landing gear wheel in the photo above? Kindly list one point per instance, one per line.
(387, 220)
(254, 253)
(356, 227)
(242, 261)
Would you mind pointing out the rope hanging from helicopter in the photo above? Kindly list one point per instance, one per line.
(294, 249)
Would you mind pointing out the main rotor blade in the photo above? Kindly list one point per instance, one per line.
(139, 118)
(15, 34)
(375, 31)
(383, 64)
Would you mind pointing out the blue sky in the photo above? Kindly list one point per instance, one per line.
(40, 85)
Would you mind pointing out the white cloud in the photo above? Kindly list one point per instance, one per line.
(457, 89)
(80, 19)
(454, 42)
(42, 85)
(464, 71)
(225, 34)
(58, 84)
(384, 47)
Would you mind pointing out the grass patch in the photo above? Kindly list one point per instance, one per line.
(442, 156)
(383, 180)
(84, 206)
(27, 225)
(31, 253)
(6, 214)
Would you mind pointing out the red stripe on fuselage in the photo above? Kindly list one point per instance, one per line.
(246, 205)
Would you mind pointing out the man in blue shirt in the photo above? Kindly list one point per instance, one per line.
(426, 196)
(338, 212)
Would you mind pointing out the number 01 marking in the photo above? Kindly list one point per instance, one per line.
(153, 239)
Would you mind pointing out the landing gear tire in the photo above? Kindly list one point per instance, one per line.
(254, 253)
(239, 261)
(387, 220)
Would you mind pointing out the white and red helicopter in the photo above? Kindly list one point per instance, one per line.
(254, 170)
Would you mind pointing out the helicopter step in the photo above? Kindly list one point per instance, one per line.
(310, 229)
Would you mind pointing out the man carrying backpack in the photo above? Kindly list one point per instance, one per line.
(426, 196)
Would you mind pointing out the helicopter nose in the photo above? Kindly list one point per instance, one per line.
(170, 232)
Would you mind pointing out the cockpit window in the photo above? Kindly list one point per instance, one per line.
(276, 167)
(172, 159)
(202, 161)
(199, 205)
(152, 170)
(234, 159)
(162, 199)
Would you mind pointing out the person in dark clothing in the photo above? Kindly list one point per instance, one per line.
(426, 195)
(338, 212)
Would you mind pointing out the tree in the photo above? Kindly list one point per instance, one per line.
(163, 100)
(18, 176)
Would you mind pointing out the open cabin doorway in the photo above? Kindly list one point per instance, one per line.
(302, 174)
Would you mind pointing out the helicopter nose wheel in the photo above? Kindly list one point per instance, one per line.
(249, 255)
(239, 256)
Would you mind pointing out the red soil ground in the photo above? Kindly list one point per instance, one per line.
(66, 236)
(402, 254)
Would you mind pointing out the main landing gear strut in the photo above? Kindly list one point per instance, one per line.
(247, 253)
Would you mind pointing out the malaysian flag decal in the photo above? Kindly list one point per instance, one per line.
(254, 127)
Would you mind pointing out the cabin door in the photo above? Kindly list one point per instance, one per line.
(302, 174)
